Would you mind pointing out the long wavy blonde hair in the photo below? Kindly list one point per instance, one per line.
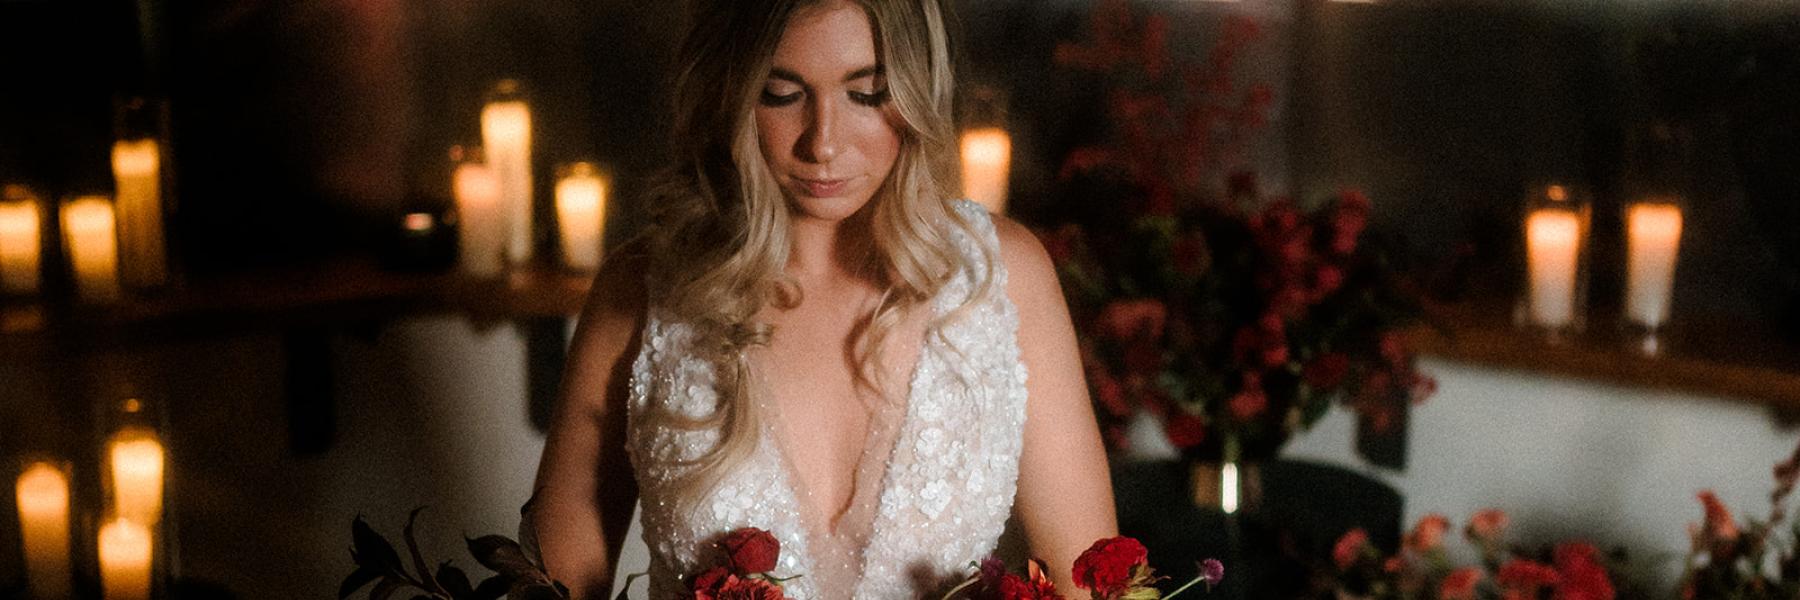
(721, 239)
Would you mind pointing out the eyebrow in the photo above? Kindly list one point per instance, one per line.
(784, 74)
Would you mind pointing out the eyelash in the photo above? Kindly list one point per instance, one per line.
(871, 99)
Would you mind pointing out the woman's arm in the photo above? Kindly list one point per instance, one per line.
(585, 488)
(1065, 499)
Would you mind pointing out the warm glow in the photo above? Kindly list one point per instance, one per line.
(1553, 249)
(90, 231)
(137, 180)
(506, 137)
(986, 160)
(481, 220)
(417, 222)
(581, 215)
(137, 475)
(1557, 193)
(21, 222)
(1653, 242)
(126, 554)
(1228, 488)
(43, 500)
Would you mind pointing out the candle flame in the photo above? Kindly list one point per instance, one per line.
(43, 489)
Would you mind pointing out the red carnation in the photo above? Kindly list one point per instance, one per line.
(1487, 525)
(1428, 534)
(1013, 587)
(746, 588)
(751, 550)
(708, 582)
(1525, 575)
(1106, 567)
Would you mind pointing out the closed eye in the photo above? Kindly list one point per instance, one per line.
(776, 100)
(870, 99)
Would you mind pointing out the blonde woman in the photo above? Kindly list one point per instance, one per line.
(816, 339)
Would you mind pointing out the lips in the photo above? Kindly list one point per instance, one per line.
(822, 188)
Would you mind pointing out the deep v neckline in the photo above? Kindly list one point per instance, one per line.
(830, 528)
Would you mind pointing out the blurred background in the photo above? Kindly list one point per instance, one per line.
(320, 324)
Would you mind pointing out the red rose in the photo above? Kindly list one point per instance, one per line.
(1487, 525)
(1106, 566)
(1428, 534)
(1459, 584)
(751, 550)
(1583, 577)
(1349, 547)
(746, 588)
(1327, 279)
(707, 582)
(1185, 430)
(1327, 371)
(1524, 575)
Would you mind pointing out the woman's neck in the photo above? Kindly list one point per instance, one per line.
(829, 250)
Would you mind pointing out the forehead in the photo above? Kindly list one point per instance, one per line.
(826, 40)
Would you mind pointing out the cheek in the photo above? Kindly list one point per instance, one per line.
(881, 143)
(775, 135)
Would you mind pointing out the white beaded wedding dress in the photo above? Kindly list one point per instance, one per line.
(936, 481)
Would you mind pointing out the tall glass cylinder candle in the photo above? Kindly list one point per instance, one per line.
(90, 238)
(135, 461)
(1555, 232)
(43, 501)
(1652, 244)
(506, 138)
(127, 551)
(480, 214)
(581, 194)
(137, 177)
(986, 165)
(21, 240)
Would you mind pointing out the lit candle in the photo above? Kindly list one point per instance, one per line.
(137, 475)
(43, 497)
(986, 159)
(482, 220)
(1653, 240)
(137, 175)
(125, 558)
(92, 238)
(581, 215)
(506, 136)
(1553, 247)
(20, 224)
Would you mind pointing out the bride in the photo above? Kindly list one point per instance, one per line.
(815, 340)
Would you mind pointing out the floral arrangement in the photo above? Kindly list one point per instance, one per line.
(1422, 570)
(1749, 561)
(1234, 318)
(750, 555)
(516, 575)
(1115, 568)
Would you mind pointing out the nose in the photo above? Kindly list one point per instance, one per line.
(819, 143)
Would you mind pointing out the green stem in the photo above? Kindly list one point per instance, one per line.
(1184, 588)
(965, 585)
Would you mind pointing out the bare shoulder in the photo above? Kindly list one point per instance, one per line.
(1029, 272)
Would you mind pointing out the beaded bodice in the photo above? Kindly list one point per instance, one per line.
(944, 492)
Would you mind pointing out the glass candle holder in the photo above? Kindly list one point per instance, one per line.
(132, 542)
(582, 191)
(90, 240)
(480, 214)
(1556, 232)
(21, 240)
(43, 491)
(506, 137)
(1653, 227)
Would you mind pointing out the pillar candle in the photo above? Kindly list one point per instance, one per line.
(1653, 240)
(986, 160)
(20, 243)
(125, 559)
(43, 500)
(92, 244)
(506, 136)
(136, 457)
(481, 218)
(581, 215)
(1553, 249)
(137, 175)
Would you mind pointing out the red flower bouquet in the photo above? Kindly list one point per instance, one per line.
(1228, 315)
(1575, 570)
(750, 554)
(1112, 569)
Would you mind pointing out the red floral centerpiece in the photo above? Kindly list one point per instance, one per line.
(1574, 570)
(1116, 568)
(1233, 317)
(1755, 560)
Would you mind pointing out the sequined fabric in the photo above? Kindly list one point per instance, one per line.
(945, 492)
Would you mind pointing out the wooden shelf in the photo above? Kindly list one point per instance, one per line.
(1719, 359)
(341, 291)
